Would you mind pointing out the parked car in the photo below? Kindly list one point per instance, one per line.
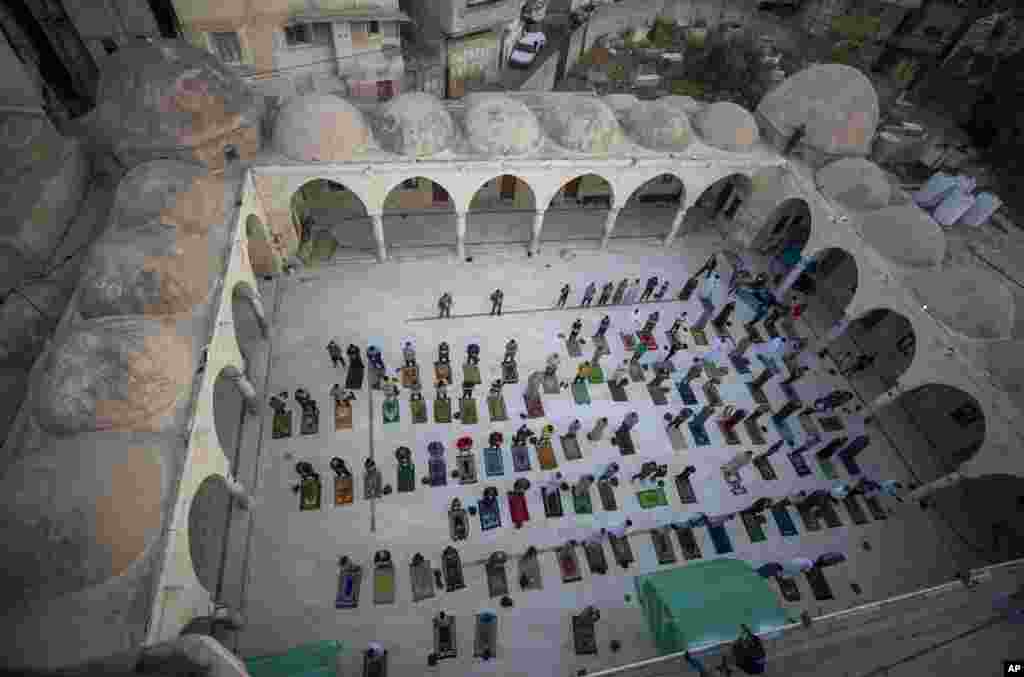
(526, 49)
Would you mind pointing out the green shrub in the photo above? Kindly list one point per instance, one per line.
(857, 28)
(904, 71)
(616, 72)
(687, 88)
(662, 34)
(847, 52)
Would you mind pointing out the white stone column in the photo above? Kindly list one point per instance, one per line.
(460, 235)
(834, 332)
(237, 492)
(677, 222)
(538, 225)
(257, 307)
(949, 480)
(245, 388)
(609, 226)
(791, 278)
(378, 237)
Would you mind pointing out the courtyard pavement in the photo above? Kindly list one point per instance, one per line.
(282, 564)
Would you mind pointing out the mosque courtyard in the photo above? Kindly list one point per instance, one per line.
(281, 565)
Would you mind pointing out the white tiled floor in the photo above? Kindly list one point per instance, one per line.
(292, 556)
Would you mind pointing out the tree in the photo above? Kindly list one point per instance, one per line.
(729, 64)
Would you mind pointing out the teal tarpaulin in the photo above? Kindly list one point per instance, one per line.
(318, 659)
(706, 602)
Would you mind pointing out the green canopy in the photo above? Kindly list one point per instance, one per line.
(705, 602)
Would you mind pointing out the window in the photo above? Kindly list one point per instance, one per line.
(300, 35)
(297, 34)
(374, 28)
(322, 34)
(227, 46)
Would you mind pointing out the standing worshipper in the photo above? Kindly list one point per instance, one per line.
(652, 284)
(445, 304)
(606, 294)
(620, 291)
(588, 294)
(660, 294)
(563, 296)
(632, 291)
(497, 298)
(334, 350)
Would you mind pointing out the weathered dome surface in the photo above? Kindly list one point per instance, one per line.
(23, 330)
(620, 102)
(855, 182)
(43, 178)
(967, 299)
(728, 126)
(415, 123)
(79, 513)
(168, 93)
(906, 235)
(499, 125)
(321, 128)
(156, 270)
(579, 122)
(837, 103)
(122, 373)
(170, 192)
(658, 126)
(685, 103)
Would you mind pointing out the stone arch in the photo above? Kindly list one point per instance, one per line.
(579, 209)
(208, 515)
(249, 320)
(988, 511)
(501, 211)
(265, 261)
(652, 207)
(789, 225)
(419, 211)
(943, 426)
(883, 333)
(717, 205)
(328, 216)
(233, 397)
(826, 281)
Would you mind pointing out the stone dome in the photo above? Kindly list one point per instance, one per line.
(855, 182)
(620, 102)
(969, 300)
(169, 94)
(728, 126)
(499, 125)
(837, 104)
(658, 125)
(685, 103)
(415, 123)
(322, 128)
(579, 122)
(170, 192)
(122, 373)
(78, 513)
(155, 270)
(906, 235)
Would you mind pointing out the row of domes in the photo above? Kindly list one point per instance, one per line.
(327, 128)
